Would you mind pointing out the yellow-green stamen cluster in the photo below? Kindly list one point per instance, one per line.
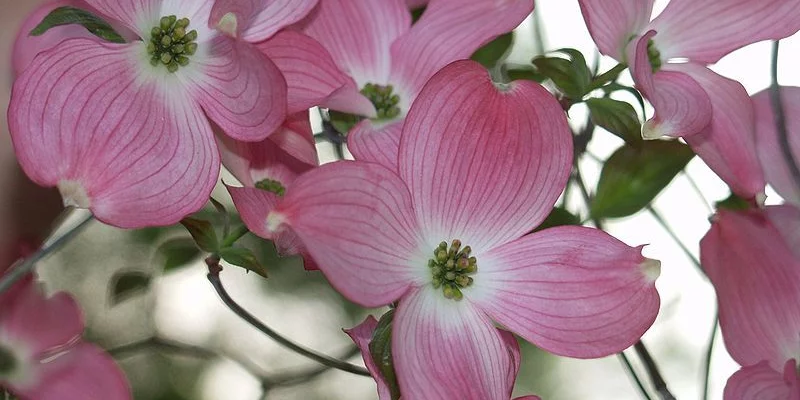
(451, 268)
(654, 56)
(384, 100)
(272, 186)
(7, 361)
(170, 44)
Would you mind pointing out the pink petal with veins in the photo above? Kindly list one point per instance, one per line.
(761, 382)
(445, 349)
(572, 291)
(358, 33)
(727, 145)
(240, 89)
(376, 142)
(85, 105)
(612, 23)
(484, 164)
(705, 31)
(755, 275)
(450, 30)
(357, 221)
(770, 150)
(311, 74)
(682, 107)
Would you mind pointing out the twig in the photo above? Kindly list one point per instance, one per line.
(780, 117)
(707, 359)
(633, 375)
(674, 237)
(213, 276)
(25, 266)
(652, 370)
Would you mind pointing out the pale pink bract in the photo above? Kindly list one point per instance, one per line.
(483, 164)
(48, 361)
(132, 141)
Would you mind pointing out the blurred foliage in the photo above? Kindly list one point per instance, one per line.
(380, 349)
(493, 52)
(559, 216)
(127, 284)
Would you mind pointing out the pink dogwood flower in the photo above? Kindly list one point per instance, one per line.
(41, 354)
(667, 58)
(122, 129)
(266, 168)
(362, 336)
(756, 276)
(480, 165)
(386, 61)
(776, 166)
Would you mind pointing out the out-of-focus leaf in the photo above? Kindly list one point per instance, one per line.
(416, 13)
(178, 253)
(617, 117)
(558, 217)
(127, 284)
(380, 348)
(202, 232)
(71, 15)
(633, 176)
(494, 51)
(242, 257)
(733, 202)
(616, 87)
(572, 76)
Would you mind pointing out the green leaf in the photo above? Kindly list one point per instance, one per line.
(616, 87)
(242, 257)
(633, 176)
(572, 76)
(128, 284)
(202, 232)
(525, 73)
(380, 348)
(178, 253)
(494, 51)
(417, 13)
(558, 217)
(226, 218)
(71, 15)
(617, 117)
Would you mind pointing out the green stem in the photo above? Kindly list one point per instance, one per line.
(707, 359)
(780, 117)
(25, 266)
(234, 236)
(624, 359)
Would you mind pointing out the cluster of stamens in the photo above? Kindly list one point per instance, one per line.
(654, 56)
(384, 99)
(451, 268)
(272, 186)
(170, 44)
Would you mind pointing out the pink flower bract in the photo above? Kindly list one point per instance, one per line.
(41, 354)
(131, 141)
(481, 164)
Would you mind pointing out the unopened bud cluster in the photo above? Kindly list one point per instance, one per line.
(272, 186)
(451, 268)
(170, 44)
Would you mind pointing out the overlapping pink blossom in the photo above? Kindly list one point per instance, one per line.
(374, 42)
(41, 354)
(756, 274)
(254, 162)
(771, 151)
(667, 58)
(483, 164)
(132, 141)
